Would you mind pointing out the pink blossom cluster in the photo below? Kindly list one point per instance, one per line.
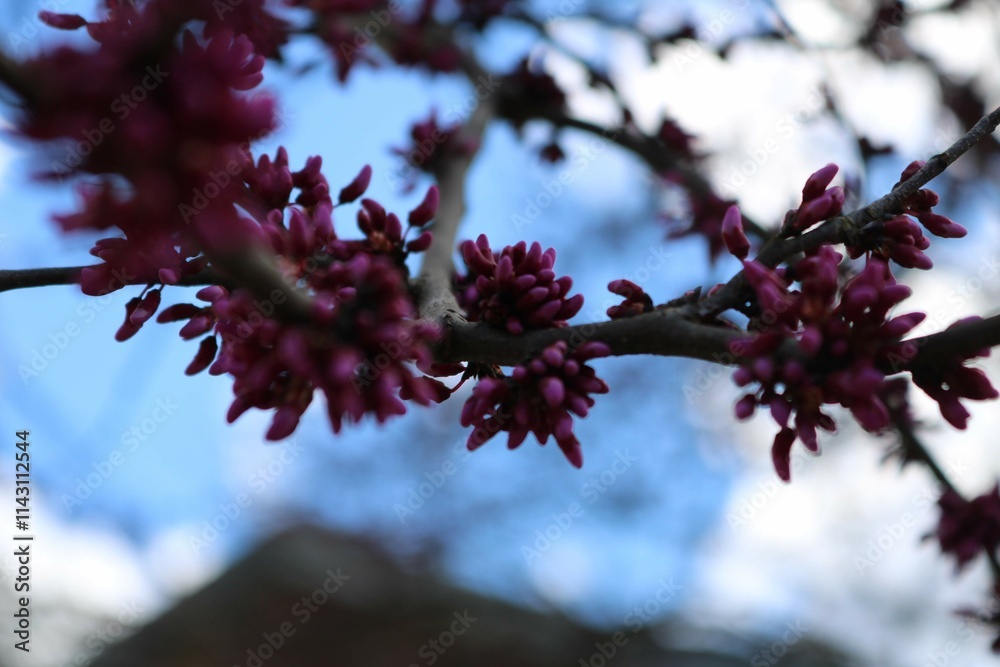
(362, 337)
(174, 178)
(539, 397)
(839, 339)
(515, 289)
(158, 117)
(826, 343)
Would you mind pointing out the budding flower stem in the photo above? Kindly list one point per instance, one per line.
(843, 228)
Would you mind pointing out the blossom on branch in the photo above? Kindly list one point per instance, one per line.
(840, 337)
(539, 397)
(818, 202)
(899, 237)
(515, 289)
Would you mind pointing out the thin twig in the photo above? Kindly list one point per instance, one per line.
(13, 279)
(842, 229)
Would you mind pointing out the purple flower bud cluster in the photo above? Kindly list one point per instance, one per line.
(515, 289)
(362, 338)
(818, 201)
(900, 238)
(162, 115)
(967, 527)
(733, 236)
(385, 234)
(356, 350)
(839, 348)
(539, 397)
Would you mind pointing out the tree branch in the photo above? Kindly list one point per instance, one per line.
(842, 229)
(664, 332)
(13, 279)
(435, 296)
(670, 332)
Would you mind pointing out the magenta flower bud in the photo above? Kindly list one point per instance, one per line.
(196, 326)
(939, 225)
(376, 213)
(128, 328)
(816, 183)
(780, 411)
(357, 187)
(516, 288)
(823, 207)
(177, 312)
(781, 453)
(745, 407)
(284, 423)
(954, 412)
(168, 276)
(212, 293)
(923, 200)
(570, 307)
(541, 397)
(806, 430)
(909, 257)
(763, 368)
(871, 414)
(62, 21)
(146, 308)
(742, 377)
(393, 227)
(911, 169)
(552, 391)
(901, 225)
(300, 234)
(624, 287)
(732, 233)
(898, 327)
(973, 383)
(836, 193)
(421, 243)
(207, 350)
(427, 209)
